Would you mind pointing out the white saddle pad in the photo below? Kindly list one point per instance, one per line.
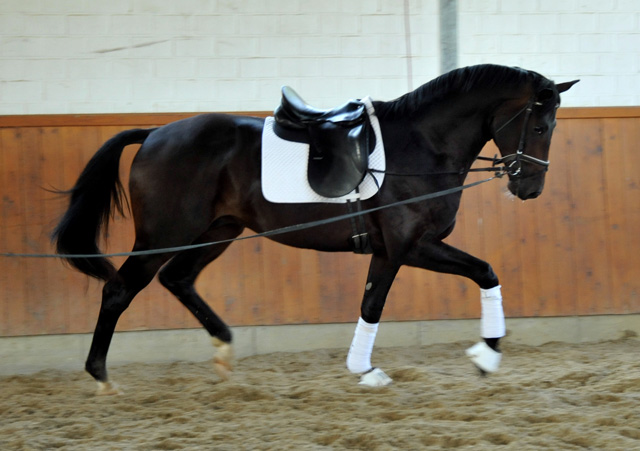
(284, 168)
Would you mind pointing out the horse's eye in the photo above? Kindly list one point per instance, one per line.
(539, 130)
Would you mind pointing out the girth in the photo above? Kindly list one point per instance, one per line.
(340, 141)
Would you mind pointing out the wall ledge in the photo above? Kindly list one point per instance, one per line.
(24, 355)
(155, 119)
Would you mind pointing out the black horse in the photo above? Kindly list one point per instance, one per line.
(198, 180)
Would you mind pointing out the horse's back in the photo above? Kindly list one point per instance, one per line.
(201, 133)
(197, 143)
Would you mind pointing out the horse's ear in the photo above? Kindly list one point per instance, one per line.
(562, 87)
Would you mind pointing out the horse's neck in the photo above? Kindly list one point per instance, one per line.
(445, 136)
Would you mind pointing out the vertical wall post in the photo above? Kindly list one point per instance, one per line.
(448, 35)
(407, 39)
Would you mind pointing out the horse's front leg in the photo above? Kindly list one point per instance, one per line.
(435, 255)
(381, 275)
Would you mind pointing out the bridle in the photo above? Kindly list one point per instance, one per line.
(513, 162)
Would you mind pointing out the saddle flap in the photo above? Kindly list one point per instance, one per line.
(338, 157)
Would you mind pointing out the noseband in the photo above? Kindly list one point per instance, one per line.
(513, 162)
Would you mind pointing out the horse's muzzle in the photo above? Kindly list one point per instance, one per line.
(527, 187)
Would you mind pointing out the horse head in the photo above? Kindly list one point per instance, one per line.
(522, 130)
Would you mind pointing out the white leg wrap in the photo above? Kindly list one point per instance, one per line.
(492, 319)
(491, 326)
(359, 357)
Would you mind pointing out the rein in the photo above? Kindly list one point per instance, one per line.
(280, 231)
(499, 171)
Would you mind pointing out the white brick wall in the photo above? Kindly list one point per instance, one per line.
(597, 41)
(76, 56)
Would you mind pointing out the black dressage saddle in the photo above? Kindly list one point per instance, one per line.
(340, 141)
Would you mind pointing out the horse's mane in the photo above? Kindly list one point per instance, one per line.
(460, 81)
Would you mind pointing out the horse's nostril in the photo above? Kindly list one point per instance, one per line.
(532, 195)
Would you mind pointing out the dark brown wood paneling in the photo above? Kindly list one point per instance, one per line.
(573, 251)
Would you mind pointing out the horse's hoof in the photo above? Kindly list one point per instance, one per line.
(222, 369)
(108, 389)
(486, 359)
(375, 378)
(222, 362)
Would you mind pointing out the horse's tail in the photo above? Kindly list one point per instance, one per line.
(98, 189)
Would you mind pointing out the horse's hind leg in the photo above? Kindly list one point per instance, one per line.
(117, 294)
(180, 274)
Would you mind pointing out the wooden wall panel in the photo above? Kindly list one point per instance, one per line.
(573, 251)
(621, 161)
(11, 235)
